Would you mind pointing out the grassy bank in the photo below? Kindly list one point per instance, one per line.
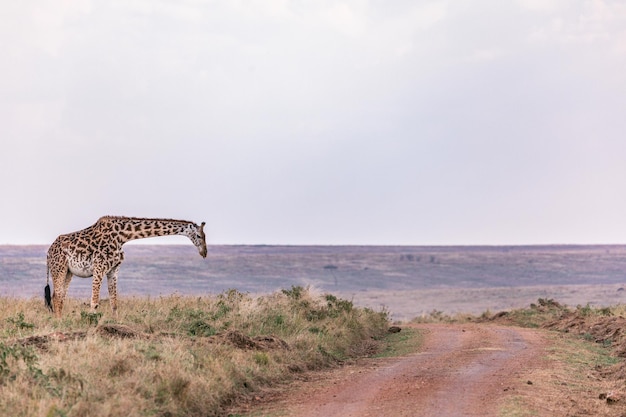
(171, 356)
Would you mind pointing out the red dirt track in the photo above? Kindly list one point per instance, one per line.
(461, 370)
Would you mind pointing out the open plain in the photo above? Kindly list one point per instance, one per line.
(409, 281)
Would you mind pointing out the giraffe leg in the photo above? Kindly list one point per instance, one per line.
(112, 285)
(57, 301)
(68, 278)
(61, 282)
(95, 289)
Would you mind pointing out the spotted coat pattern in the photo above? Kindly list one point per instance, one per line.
(97, 252)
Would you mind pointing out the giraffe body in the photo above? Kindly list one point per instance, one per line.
(97, 252)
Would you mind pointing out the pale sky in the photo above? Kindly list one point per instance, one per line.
(317, 122)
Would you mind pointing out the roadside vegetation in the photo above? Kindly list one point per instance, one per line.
(172, 356)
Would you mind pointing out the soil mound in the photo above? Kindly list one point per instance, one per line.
(607, 330)
(117, 330)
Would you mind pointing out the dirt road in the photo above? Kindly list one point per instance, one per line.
(461, 370)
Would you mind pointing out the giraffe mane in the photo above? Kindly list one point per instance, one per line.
(143, 218)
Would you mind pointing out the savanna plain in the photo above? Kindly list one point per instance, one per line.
(249, 331)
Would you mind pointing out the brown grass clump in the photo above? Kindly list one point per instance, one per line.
(171, 356)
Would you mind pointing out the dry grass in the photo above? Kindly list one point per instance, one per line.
(567, 385)
(171, 356)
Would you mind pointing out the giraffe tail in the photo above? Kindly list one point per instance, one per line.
(46, 293)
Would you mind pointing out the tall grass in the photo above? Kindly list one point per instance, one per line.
(176, 356)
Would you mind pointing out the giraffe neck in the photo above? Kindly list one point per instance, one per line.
(132, 228)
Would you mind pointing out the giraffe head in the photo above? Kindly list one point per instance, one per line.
(199, 239)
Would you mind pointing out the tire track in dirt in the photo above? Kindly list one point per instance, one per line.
(462, 370)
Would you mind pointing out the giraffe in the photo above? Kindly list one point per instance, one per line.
(97, 252)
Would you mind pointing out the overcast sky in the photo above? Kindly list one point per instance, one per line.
(317, 122)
